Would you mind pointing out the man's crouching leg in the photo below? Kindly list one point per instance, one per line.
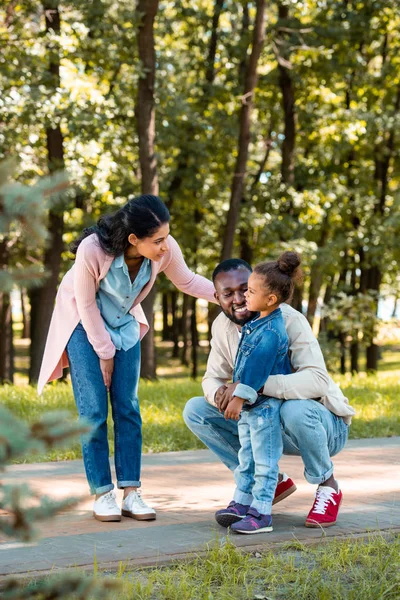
(209, 425)
(316, 434)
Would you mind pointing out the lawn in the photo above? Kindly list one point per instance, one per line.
(352, 569)
(338, 570)
(376, 399)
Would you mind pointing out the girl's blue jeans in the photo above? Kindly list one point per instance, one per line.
(91, 398)
(261, 447)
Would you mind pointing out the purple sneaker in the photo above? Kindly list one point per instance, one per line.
(235, 512)
(253, 522)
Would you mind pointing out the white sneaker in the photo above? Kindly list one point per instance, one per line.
(106, 508)
(135, 507)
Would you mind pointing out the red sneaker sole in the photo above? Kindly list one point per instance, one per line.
(315, 524)
(284, 494)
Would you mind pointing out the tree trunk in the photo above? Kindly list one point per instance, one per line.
(185, 330)
(165, 314)
(297, 300)
(316, 278)
(237, 186)
(342, 354)
(145, 122)
(246, 230)
(383, 157)
(316, 275)
(25, 316)
(354, 354)
(6, 336)
(6, 340)
(395, 303)
(175, 324)
(148, 350)
(195, 339)
(372, 357)
(288, 103)
(42, 298)
(327, 298)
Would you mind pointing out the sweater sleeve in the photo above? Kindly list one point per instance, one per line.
(310, 379)
(85, 296)
(184, 279)
(219, 368)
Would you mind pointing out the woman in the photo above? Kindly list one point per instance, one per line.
(96, 329)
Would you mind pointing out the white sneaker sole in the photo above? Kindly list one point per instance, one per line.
(106, 518)
(262, 530)
(139, 517)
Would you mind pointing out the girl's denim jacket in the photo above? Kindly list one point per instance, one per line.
(263, 351)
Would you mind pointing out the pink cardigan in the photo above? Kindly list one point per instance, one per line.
(76, 301)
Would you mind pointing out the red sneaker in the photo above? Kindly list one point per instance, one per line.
(284, 488)
(325, 508)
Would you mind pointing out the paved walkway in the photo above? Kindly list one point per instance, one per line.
(186, 488)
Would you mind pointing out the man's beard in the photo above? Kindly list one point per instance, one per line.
(237, 320)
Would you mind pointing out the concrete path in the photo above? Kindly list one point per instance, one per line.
(186, 488)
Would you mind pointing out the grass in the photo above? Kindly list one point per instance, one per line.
(376, 399)
(353, 569)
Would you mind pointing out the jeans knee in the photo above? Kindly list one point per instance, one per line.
(191, 411)
(294, 414)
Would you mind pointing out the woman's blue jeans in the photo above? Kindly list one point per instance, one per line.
(91, 398)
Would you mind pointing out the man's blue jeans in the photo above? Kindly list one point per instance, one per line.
(92, 402)
(260, 439)
(308, 430)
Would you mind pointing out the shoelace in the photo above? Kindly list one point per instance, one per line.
(322, 498)
(109, 499)
(139, 500)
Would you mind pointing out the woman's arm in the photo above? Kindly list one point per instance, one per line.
(184, 279)
(85, 296)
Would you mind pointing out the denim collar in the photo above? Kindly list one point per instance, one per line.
(119, 261)
(256, 322)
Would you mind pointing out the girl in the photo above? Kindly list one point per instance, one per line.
(96, 329)
(263, 351)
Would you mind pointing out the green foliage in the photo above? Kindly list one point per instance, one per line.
(23, 210)
(354, 316)
(342, 211)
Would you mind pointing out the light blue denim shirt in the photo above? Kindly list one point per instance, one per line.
(115, 297)
(263, 351)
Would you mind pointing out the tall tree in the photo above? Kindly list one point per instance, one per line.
(42, 298)
(145, 120)
(247, 103)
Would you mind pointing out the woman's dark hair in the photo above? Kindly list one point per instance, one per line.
(280, 275)
(141, 216)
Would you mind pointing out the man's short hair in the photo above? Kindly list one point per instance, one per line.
(231, 264)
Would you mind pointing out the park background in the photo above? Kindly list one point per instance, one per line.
(264, 127)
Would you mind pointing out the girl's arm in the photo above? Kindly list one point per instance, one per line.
(184, 279)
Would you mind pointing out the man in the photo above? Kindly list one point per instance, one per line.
(315, 417)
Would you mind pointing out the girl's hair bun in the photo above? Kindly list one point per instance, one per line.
(288, 263)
